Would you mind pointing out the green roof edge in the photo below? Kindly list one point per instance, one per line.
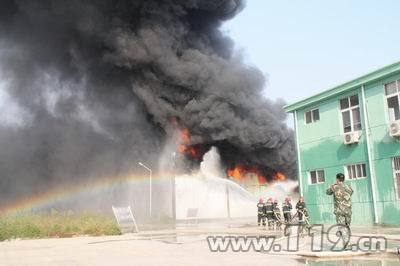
(370, 77)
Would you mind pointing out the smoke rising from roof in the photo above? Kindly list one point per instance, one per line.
(98, 83)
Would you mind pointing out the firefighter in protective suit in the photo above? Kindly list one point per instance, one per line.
(269, 213)
(277, 215)
(287, 210)
(261, 212)
(302, 210)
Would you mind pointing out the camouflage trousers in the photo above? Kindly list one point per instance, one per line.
(343, 221)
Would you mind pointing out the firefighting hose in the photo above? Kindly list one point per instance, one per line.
(278, 216)
(306, 220)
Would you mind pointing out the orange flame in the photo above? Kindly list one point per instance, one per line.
(184, 148)
(189, 150)
(185, 135)
(279, 176)
(238, 173)
(261, 179)
(241, 173)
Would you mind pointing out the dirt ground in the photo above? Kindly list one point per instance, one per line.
(186, 245)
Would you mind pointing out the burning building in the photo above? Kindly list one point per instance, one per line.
(97, 84)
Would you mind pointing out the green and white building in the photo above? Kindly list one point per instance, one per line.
(352, 128)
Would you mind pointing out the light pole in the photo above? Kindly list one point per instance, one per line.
(150, 185)
(173, 186)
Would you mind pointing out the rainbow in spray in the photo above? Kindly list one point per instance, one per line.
(50, 198)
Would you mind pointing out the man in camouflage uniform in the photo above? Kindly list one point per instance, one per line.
(261, 214)
(342, 204)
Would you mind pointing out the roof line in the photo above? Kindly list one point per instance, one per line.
(362, 80)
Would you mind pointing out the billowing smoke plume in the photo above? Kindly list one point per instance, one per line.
(97, 84)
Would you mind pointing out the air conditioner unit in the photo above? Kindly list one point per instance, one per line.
(352, 137)
(394, 129)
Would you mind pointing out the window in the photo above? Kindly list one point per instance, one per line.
(312, 116)
(355, 171)
(317, 176)
(396, 174)
(351, 118)
(392, 92)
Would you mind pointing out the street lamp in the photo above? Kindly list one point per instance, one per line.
(173, 186)
(150, 177)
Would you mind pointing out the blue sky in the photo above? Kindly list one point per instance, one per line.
(307, 46)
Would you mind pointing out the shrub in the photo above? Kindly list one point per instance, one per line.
(56, 225)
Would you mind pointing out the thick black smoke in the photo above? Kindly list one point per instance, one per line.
(98, 83)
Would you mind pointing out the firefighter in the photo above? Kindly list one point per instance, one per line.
(269, 213)
(260, 213)
(287, 210)
(277, 215)
(301, 210)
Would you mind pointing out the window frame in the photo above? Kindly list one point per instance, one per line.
(311, 111)
(346, 170)
(390, 96)
(395, 172)
(350, 110)
(316, 176)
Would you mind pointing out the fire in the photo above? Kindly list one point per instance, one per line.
(279, 176)
(184, 148)
(189, 150)
(261, 179)
(238, 173)
(241, 173)
(185, 135)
